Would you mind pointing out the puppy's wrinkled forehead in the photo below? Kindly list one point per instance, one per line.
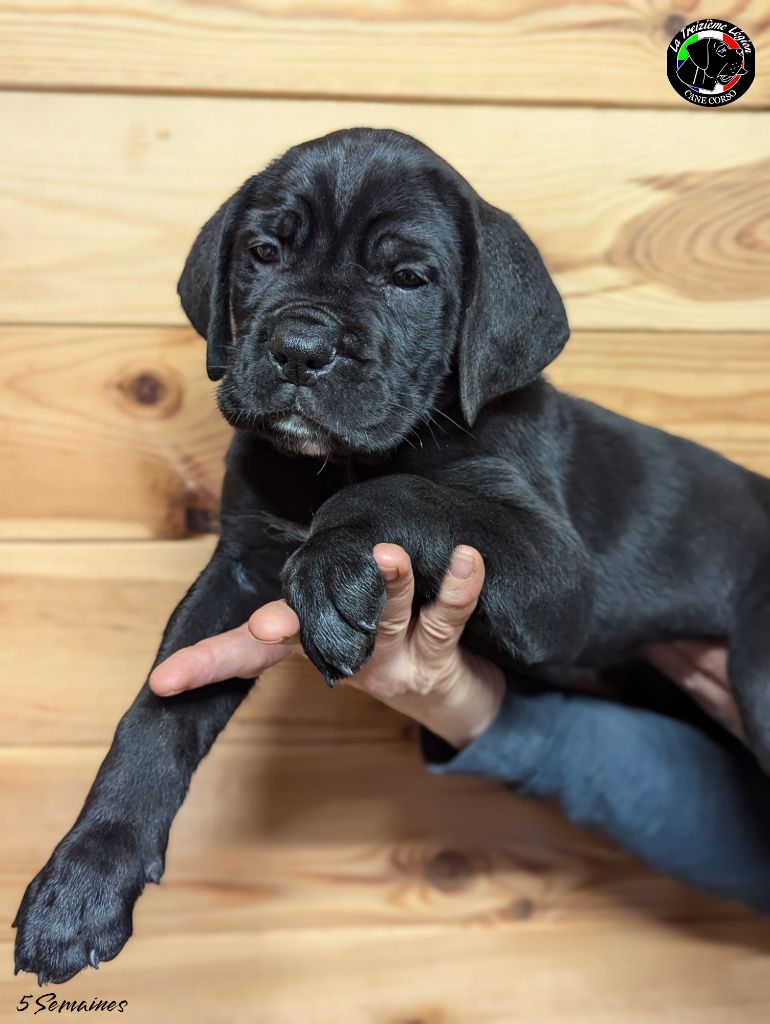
(345, 185)
(359, 263)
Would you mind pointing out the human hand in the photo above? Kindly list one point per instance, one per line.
(700, 669)
(417, 667)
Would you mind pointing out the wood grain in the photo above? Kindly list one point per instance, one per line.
(711, 388)
(113, 432)
(554, 52)
(644, 225)
(437, 976)
(108, 432)
(377, 893)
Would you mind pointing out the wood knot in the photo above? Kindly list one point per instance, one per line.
(520, 909)
(147, 389)
(427, 1016)
(673, 24)
(448, 870)
(149, 393)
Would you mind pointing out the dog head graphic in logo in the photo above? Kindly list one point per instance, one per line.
(710, 62)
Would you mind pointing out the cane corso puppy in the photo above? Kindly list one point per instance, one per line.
(710, 61)
(379, 332)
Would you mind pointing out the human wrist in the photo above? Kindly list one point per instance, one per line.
(463, 706)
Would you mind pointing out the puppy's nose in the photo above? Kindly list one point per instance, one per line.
(300, 353)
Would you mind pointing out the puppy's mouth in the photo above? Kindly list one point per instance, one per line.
(297, 433)
(295, 429)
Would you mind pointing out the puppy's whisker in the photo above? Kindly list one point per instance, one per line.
(458, 425)
(419, 439)
(438, 426)
(427, 421)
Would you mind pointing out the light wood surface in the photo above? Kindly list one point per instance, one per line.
(655, 227)
(109, 432)
(317, 873)
(606, 53)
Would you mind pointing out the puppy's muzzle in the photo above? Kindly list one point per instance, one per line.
(304, 346)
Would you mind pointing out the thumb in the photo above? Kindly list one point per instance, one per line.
(440, 624)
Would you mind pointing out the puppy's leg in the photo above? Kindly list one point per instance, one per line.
(749, 663)
(78, 910)
(537, 599)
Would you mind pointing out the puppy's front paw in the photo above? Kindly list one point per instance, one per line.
(78, 910)
(334, 585)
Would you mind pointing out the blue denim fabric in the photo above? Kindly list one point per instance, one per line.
(663, 788)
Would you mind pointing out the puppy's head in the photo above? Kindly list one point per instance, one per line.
(352, 283)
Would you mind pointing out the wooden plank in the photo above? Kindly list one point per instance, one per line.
(644, 226)
(108, 432)
(112, 432)
(599, 52)
(341, 882)
(712, 388)
(502, 975)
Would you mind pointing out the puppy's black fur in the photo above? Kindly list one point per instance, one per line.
(379, 332)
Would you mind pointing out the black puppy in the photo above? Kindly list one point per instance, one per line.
(379, 331)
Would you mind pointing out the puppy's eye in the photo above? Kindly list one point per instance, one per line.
(265, 252)
(405, 277)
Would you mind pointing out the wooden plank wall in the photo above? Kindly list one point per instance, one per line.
(316, 873)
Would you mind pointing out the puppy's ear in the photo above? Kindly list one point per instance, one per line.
(514, 322)
(204, 287)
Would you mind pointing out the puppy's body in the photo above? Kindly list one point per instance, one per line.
(379, 332)
(674, 534)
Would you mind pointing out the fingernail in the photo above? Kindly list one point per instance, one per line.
(288, 641)
(389, 573)
(170, 693)
(461, 565)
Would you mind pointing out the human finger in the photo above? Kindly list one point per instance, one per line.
(274, 623)
(231, 655)
(440, 624)
(700, 669)
(396, 568)
(706, 658)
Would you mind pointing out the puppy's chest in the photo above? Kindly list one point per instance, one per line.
(424, 453)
